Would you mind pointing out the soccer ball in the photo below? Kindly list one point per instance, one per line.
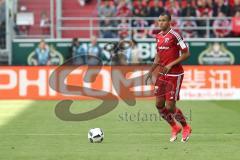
(95, 135)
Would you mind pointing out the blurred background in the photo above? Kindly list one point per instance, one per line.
(67, 28)
(36, 36)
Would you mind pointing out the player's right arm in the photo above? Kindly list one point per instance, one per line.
(153, 67)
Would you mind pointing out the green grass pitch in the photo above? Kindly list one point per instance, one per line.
(29, 130)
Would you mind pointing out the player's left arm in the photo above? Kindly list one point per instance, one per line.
(184, 56)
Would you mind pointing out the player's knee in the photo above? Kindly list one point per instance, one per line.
(171, 108)
(160, 106)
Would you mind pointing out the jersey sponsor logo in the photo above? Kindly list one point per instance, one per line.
(163, 48)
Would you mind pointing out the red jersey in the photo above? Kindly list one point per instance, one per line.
(169, 47)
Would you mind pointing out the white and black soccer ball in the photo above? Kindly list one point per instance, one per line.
(95, 135)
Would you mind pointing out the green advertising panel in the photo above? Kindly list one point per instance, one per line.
(23, 52)
(214, 52)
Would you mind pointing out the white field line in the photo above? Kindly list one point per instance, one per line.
(12, 108)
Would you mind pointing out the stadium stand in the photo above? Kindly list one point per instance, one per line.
(38, 8)
(201, 9)
(72, 8)
(103, 17)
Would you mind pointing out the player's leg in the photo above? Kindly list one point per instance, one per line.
(163, 89)
(178, 115)
(160, 91)
(171, 104)
(163, 111)
(176, 129)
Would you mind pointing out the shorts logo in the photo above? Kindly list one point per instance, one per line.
(172, 95)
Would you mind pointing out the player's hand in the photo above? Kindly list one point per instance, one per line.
(166, 69)
(149, 76)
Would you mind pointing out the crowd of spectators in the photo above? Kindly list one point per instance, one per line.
(219, 9)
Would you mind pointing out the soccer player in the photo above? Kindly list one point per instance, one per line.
(171, 51)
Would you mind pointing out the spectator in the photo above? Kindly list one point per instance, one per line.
(94, 52)
(120, 52)
(155, 10)
(126, 53)
(189, 10)
(2, 24)
(154, 29)
(236, 7)
(123, 29)
(108, 32)
(2, 35)
(203, 23)
(79, 52)
(42, 54)
(209, 3)
(45, 23)
(173, 8)
(115, 2)
(2, 11)
(219, 6)
(123, 9)
(134, 59)
(118, 58)
(139, 9)
(236, 24)
(106, 10)
(203, 9)
(189, 33)
(221, 22)
(74, 46)
(83, 2)
(141, 32)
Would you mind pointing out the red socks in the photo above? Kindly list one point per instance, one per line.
(178, 115)
(168, 116)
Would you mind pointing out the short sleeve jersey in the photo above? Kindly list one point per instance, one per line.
(169, 48)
